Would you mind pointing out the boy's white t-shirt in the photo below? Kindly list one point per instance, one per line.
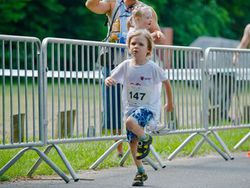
(141, 86)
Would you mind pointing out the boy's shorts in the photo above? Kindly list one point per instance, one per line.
(142, 117)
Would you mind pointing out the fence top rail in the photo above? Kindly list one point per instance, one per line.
(178, 47)
(212, 49)
(20, 38)
(48, 40)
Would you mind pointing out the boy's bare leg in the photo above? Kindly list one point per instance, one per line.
(133, 148)
(140, 176)
(134, 127)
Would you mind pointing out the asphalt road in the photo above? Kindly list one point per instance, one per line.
(200, 172)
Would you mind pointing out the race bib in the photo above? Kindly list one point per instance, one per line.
(138, 95)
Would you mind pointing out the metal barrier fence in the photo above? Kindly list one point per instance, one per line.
(228, 71)
(183, 67)
(63, 87)
(20, 92)
(226, 96)
(73, 86)
(21, 120)
(228, 74)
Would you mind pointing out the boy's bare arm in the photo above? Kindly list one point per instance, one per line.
(170, 105)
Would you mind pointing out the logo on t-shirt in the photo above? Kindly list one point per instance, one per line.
(144, 78)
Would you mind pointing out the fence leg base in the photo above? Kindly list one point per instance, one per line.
(63, 157)
(242, 141)
(205, 138)
(198, 145)
(151, 162)
(42, 156)
(222, 143)
(124, 158)
(66, 163)
(13, 161)
(38, 162)
(157, 156)
(214, 146)
(106, 154)
(188, 139)
(147, 159)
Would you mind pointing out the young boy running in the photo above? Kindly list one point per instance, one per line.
(142, 80)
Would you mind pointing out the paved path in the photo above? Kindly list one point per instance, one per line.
(200, 172)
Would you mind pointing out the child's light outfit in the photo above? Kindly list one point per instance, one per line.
(141, 95)
(131, 31)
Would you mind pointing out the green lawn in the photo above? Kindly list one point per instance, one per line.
(82, 155)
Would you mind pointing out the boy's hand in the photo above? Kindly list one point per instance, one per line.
(169, 107)
(109, 81)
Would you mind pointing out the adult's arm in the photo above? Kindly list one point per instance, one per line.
(155, 27)
(99, 7)
(245, 41)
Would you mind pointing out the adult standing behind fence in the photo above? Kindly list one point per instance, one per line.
(245, 41)
(118, 12)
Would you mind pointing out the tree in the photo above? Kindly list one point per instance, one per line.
(239, 13)
(193, 18)
(50, 18)
(71, 19)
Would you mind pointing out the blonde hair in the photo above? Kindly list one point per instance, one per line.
(137, 13)
(147, 36)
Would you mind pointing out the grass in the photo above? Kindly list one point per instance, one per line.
(82, 155)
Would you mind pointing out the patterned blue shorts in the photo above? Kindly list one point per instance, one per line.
(142, 116)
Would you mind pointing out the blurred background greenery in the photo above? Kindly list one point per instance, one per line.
(71, 19)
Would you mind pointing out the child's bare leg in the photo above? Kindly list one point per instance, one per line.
(140, 176)
(134, 127)
(145, 139)
(139, 141)
(133, 148)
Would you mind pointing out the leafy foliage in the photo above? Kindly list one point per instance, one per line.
(71, 19)
(50, 18)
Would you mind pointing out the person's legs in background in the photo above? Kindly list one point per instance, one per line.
(112, 112)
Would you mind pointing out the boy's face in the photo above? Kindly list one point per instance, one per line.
(138, 46)
(146, 20)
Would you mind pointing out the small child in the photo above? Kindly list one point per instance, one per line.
(141, 95)
(141, 18)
